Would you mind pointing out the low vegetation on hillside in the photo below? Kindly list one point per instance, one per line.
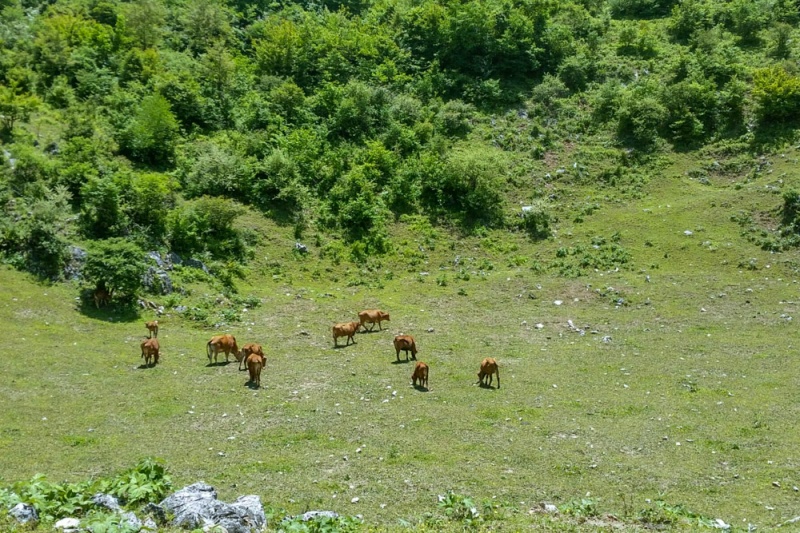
(602, 195)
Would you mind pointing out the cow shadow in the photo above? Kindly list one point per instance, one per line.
(402, 361)
(145, 366)
(340, 346)
(252, 386)
(219, 363)
(421, 388)
(487, 386)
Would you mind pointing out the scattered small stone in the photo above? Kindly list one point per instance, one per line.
(430, 330)
(68, 525)
(354, 500)
(539, 326)
(688, 233)
(558, 302)
(720, 524)
(776, 484)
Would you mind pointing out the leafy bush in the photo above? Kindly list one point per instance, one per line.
(466, 185)
(777, 94)
(536, 220)
(153, 133)
(32, 235)
(116, 265)
(320, 524)
(205, 225)
(640, 117)
(460, 508)
(102, 215)
(147, 481)
(640, 8)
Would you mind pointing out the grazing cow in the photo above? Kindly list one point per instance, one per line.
(488, 368)
(221, 343)
(372, 316)
(345, 329)
(102, 297)
(255, 363)
(421, 374)
(247, 349)
(405, 343)
(150, 350)
(152, 328)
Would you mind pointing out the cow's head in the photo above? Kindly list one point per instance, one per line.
(385, 316)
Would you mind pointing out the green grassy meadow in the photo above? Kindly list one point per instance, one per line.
(682, 387)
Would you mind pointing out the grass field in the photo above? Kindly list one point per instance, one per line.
(680, 386)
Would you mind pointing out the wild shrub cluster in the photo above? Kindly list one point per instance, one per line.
(145, 482)
(157, 121)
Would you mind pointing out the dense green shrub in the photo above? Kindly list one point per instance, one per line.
(640, 8)
(102, 215)
(213, 167)
(32, 232)
(641, 117)
(777, 94)
(466, 184)
(205, 225)
(148, 199)
(117, 265)
(153, 133)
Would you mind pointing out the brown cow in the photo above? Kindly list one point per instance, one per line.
(345, 329)
(255, 363)
(488, 368)
(405, 343)
(152, 328)
(150, 350)
(372, 316)
(221, 343)
(421, 374)
(246, 350)
(102, 297)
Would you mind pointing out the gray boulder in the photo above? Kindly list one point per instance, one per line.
(156, 257)
(197, 506)
(24, 513)
(106, 501)
(157, 280)
(174, 258)
(75, 261)
(313, 515)
(196, 263)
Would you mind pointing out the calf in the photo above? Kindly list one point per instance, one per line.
(255, 363)
(221, 343)
(372, 316)
(102, 297)
(488, 368)
(407, 344)
(421, 374)
(152, 328)
(248, 349)
(345, 329)
(150, 350)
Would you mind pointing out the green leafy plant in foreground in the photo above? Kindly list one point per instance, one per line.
(145, 482)
(320, 524)
(148, 481)
(460, 508)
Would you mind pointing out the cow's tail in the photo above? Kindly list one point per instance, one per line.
(208, 350)
(497, 371)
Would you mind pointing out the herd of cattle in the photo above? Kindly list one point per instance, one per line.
(252, 356)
